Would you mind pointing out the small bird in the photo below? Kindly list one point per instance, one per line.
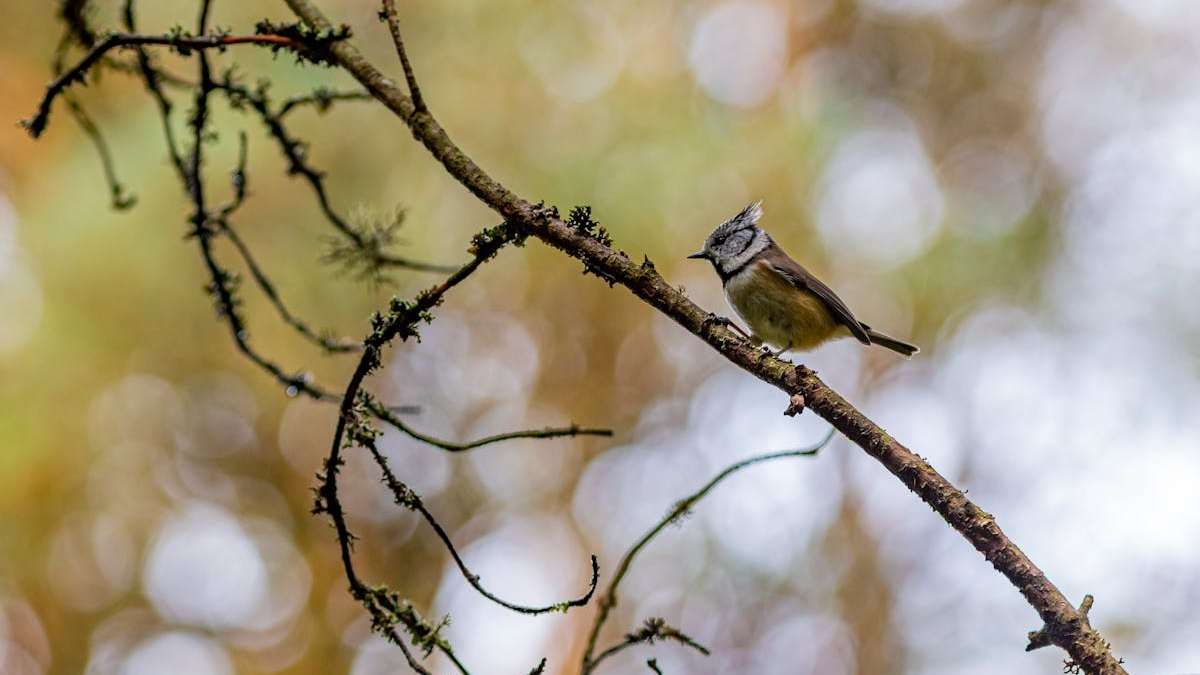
(782, 302)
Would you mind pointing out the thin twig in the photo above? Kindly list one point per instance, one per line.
(608, 599)
(388, 13)
(321, 99)
(329, 344)
(653, 629)
(78, 72)
(449, 446)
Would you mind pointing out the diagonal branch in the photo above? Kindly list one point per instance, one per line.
(388, 14)
(1084, 644)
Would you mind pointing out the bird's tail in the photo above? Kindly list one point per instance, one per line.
(902, 348)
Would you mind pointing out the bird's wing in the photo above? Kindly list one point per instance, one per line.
(802, 279)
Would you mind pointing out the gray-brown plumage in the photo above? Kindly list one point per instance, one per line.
(783, 303)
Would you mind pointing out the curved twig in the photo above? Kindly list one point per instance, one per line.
(405, 497)
(449, 446)
(76, 73)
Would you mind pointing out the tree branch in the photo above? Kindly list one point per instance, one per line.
(388, 14)
(1084, 644)
(182, 42)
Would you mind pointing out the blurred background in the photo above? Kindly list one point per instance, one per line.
(1012, 185)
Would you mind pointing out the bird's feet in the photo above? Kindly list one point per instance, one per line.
(714, 320)
(777, 353)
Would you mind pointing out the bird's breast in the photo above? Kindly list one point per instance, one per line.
(777, 311)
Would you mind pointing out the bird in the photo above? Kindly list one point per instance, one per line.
(783, 303)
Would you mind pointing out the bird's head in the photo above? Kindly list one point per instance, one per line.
(736, 241)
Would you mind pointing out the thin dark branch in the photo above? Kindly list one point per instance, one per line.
(609, 598)
(653, 629)
(324, 341)
(1084, 644)
(121, 200)
(78, 72)
(321, 99)
(449, 446)
(652, 664)
(152, 77)
(79, 32)
(388, 14)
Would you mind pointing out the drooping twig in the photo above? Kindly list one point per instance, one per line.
(79, 32)
(652, 664)
(404, 496)
(323, 340)
(608, 599)
(1083, 643)
(121, 200)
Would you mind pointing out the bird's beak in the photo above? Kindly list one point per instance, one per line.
(698, 255)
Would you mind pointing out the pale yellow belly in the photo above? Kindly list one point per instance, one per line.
(778, 313)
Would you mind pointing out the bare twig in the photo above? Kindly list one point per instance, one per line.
(608, 599)
(1083, 643)
(321, 99)
(653, 629)
(388, 14)
(121, 200)
(449, 446)
(78, 72)
(404, 496)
